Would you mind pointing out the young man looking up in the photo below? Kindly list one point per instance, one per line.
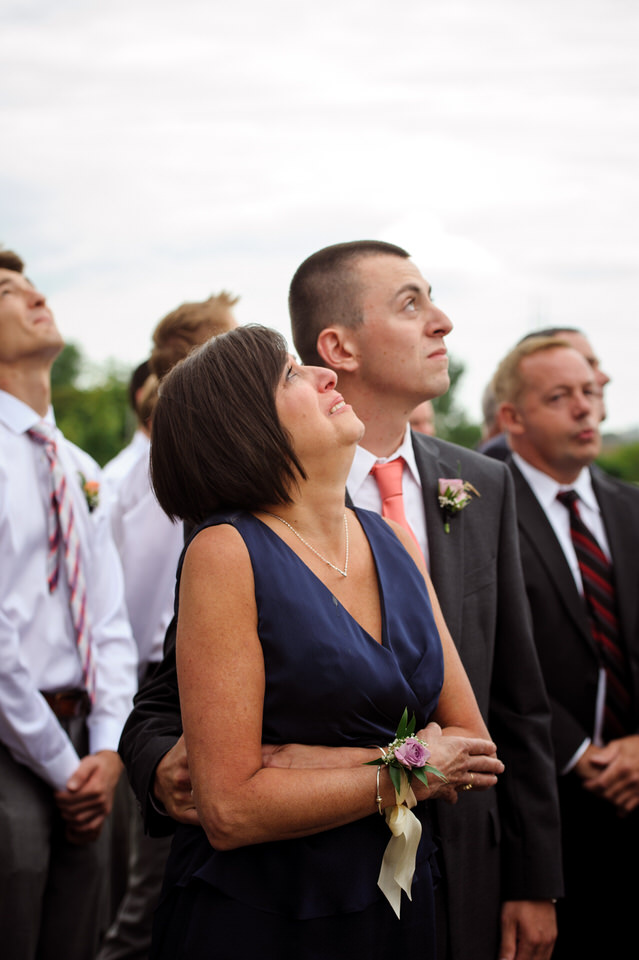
(67, 657)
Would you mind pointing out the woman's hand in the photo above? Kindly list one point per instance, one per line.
(466, 762)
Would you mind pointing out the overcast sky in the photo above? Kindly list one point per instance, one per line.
(156, 152)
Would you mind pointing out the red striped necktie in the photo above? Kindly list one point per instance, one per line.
(388, 477)
(63, 538)
(599, 595)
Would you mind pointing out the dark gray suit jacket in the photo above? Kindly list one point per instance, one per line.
(502, 844)
(571, 667)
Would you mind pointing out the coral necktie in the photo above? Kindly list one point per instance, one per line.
(599, 595)
(388, 477)
(63, 538)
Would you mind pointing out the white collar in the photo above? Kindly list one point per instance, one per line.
(19, 416)
(546, 488)
(364, 461)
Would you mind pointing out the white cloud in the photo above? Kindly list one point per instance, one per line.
(153, 153)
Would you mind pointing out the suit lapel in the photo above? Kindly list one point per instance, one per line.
(446, 550)
(539, 534)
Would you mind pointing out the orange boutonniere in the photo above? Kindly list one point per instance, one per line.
(91, 491)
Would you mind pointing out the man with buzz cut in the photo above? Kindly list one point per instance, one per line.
(364, 310)
(578, 530)
(67, 657)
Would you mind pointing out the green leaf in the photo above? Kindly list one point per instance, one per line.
(403, 725)
(396, 778)
(431, 769)
(420, 773)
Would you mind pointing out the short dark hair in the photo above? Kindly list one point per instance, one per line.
(187, 326)
(216, 440)
(137, 379)
(325, 290)
(11, 261)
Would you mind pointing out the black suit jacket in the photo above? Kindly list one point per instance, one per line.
(567, 652)
(501, 844)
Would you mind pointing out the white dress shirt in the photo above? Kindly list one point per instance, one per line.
(149, 545)
(116, 469)
(38, 648)
(364, 492)
(546, 490)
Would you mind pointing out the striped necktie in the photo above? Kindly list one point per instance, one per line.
(388, 477)
(63, 538)
(599, 595)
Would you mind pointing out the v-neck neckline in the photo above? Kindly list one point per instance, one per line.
(385, 640)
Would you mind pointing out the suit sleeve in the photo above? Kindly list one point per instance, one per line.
(153, 727)
(520, 724)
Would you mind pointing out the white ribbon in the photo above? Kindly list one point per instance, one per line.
(398, 864)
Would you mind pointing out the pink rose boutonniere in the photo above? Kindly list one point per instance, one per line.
(91, 491)
(453, 496)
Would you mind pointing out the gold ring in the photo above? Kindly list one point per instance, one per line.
(467, 786)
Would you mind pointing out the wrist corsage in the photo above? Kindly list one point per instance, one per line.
(453, 496)
(405, 757)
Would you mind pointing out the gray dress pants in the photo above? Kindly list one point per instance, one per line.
(53, 894)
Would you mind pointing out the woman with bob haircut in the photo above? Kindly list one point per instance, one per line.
(305, 630)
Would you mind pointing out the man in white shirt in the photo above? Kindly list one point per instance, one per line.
(578, 533)
(116, 469)
(62, 704)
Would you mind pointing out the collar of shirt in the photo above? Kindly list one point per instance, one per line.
(546, 489)
(364, 462)
(364, 492)
(18, 416)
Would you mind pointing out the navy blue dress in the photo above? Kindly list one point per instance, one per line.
(328, 682)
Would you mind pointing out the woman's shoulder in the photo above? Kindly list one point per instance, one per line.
(217, 540)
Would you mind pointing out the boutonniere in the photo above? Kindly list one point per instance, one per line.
(91, 491)
(454, 495)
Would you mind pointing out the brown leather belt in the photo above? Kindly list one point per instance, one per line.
(69, 703)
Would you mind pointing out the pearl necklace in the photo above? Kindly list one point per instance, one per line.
(299, 536)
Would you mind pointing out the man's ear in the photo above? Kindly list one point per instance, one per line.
(510, 419)
(336, 347)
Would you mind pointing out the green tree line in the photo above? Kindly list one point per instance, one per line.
(96, 417)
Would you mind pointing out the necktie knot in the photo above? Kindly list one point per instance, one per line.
(43, 434)
(568, 498)
(388, 477)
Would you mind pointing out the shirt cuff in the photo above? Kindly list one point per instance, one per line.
(104, 734)
(576, 757)
(56, 772)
